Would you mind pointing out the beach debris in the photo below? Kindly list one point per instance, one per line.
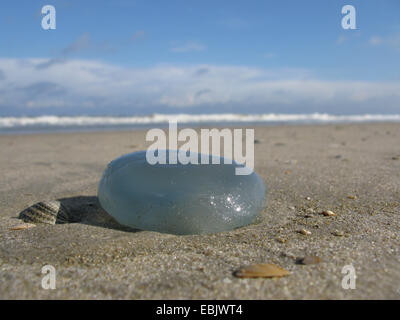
(338, 233)
(308, 198)
(171, 197)
(256, 141)
(328, 213)
(227, 281)
(309, 260)
(309, 213)
(261, 270)
(304, 232)
(48, 212)
(352, 197)
(281, 240)
(23, 226)
(396, 158)
(288, 171)
(292, 208)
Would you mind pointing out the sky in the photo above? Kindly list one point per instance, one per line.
(125, 57)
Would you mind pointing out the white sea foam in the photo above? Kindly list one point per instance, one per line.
(83, 121)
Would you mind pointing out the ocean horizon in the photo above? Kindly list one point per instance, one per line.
(53, 123)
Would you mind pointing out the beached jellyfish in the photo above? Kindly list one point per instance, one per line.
(180, 198)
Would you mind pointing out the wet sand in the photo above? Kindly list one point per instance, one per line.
(353, 170)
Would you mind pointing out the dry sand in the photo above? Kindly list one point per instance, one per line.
(95, 258)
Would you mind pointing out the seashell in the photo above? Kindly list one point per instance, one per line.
(305, 232)
(261, 270)
(328, 213)
(338, 233)
(23, 226)
(49, 212)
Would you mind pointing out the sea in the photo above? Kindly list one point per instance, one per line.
(52, 123)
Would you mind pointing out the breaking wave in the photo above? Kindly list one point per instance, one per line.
(88, 121)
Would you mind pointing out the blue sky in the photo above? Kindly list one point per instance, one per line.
(136, 57)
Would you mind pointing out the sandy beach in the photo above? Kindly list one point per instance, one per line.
(350, 169)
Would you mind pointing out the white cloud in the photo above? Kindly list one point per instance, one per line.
(137, 35)
(189, 47)
(84, 42)
(392, 41)
(90, 84)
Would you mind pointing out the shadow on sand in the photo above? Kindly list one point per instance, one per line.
(87, 210)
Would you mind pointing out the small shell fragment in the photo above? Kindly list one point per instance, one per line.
(281, 240)
(227, 280)
(49, 212)
(328, 213)
(305, 232)
(23, 226)
(309, 213)
(309, 260)
(261, 270)
(338, 233)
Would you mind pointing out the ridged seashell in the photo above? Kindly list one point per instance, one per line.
(261, 270)
(49, 212)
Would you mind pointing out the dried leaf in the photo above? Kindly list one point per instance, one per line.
(261, 270)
